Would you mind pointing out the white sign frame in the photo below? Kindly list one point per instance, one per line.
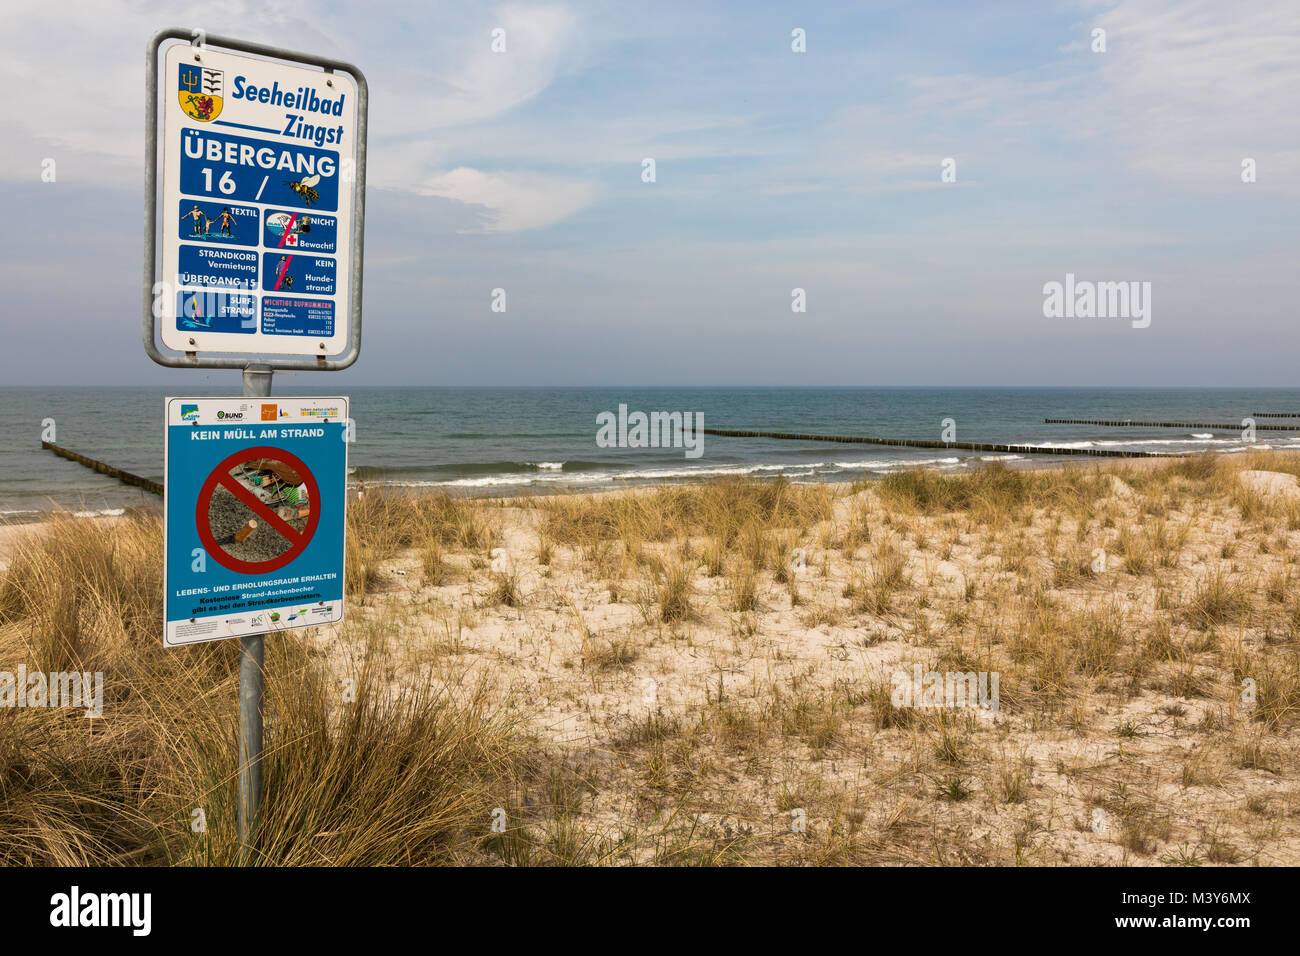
(275, 83)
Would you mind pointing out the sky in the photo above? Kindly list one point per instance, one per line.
(775, 170)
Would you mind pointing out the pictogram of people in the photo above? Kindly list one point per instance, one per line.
(200, 220)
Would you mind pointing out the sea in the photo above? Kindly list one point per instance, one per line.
(513, 441)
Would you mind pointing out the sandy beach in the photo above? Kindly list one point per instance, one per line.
(737, 672)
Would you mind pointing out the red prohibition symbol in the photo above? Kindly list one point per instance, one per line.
(298, 540)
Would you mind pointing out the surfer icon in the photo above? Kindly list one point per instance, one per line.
(192, 311)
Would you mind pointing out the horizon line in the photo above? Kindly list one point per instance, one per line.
(481, 387)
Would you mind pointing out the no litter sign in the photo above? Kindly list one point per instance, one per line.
(255, 505)
(235, 476)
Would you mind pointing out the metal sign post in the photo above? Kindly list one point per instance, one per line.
(252, 688)
(255, 190)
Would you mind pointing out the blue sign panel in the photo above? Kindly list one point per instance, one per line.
(216, 311)
(218, 223)
(217, 268)
(254, 505)
(297, 316)
(304, 232)
(282, 272)
(242, 169)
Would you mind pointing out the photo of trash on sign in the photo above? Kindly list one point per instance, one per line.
(251, 533)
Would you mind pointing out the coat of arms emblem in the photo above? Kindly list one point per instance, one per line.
(200, 92)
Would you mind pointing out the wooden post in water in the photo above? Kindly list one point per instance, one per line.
(956, 445)
(1131, 424)
(105, 469)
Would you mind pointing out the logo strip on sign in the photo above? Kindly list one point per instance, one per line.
(261, 201)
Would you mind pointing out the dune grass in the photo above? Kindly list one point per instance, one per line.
(373, 779)
(728, 510)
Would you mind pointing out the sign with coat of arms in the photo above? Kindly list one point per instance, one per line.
(256, 207)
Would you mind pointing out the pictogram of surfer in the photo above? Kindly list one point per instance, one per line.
(193, 312)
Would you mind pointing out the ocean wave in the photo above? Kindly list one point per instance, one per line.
(554, 475)
(463, 469)
(885, 464)
(491, 482)
(719, 471)
(1122, 443)
(485, 435)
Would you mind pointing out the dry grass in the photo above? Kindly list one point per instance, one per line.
(725, 510)
(380, 780)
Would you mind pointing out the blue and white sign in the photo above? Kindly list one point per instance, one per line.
(214, 311)
(255, 505)
(204, 268)
(257, 174)
(281, 316)
(300, 232)
(220, 224)
(289, 272)
(247, 169)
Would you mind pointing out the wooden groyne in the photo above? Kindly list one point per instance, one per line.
(105, 469)
(950, 445)
(1219, 427)
(1275, 414)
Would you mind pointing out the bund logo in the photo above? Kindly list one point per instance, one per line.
(200, 92)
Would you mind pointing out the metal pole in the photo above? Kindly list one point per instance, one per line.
(252, 654)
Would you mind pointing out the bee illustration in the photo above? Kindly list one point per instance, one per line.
(304, 188)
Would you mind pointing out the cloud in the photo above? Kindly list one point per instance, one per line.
(73, 75)
(1184, 92)
(455, 78)
(1194, 87)
(513, 201)
(77, 95)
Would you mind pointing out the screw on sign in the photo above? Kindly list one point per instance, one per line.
(264, 481)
